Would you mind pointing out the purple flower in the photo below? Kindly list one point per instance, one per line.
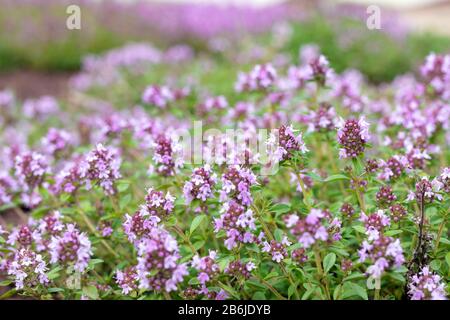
(56, 141)
(22, 236)
(393, 168)
(206, 266)
(28, 269)
(238, 223)
(201, 184)
(426, 286)
(436, 72)
(127, 280)
(385, 196)
(71, 248)
(321, 120)
(347, 210)
(353, 136)
(40, 108)
(236, 183)
(286, 145)
(277, 249)
(158, 268)
(30, 170)
(316, 226)
(167, 155)
(8, 187)
(240, 270)
(157, 96)
(101, 166)
(444, 178)
(45, 229)
(384, 252)
(375, 223)
(139, 225)
(398, 212)
(68, 180)
(262, 77)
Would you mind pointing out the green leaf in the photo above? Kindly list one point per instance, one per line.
(291, 290)
(271, 275)
(328, 262)
(54, 290)
(281, 208)
(336, 177)
(337, 292)
(5, 283)
(435, 264)
(256, 284)
(353, 289)
(278, 234)
(8, 294)
(308, 292)
(123, 186)
(447, 258)
(230, 290)
(91, 292)
(199, 244)
(359, 229)
(54, 273)
(124, 201)
(259, 296)
(315, 176)
(196, 222)
(393, 232)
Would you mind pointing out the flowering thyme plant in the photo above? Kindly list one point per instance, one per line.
(135, 188)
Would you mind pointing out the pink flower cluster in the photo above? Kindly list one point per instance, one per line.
(157, 268)
(236, 183)
(353, 136)
(238, 223)
(72, 247)
(101, 166)
(318, 225)
(201, 185)
(262, 77)
(384, 252)
(426, 286)
(287, 144)
(206, 266)
(157, 206)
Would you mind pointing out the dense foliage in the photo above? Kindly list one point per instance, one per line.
(132, 187)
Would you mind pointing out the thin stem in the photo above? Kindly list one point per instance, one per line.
(377, 294)
(271, 237)
(360, 199)
(322, 277)
(272, 289)
(94, 231)
(441, 229)
(114, 204)
(305, 191)
(185, 238)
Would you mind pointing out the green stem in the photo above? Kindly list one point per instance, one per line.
(272, 289)
(185, 238)
(94, 231)
(271, 237)
(441, 229)
(321, 273)
(377, 294)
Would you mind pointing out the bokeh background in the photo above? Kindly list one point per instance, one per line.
(39, 55)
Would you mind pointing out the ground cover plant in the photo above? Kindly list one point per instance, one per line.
(240, 172)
